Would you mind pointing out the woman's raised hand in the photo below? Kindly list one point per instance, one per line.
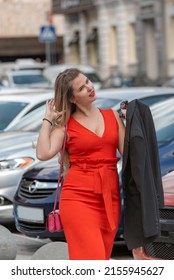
(51, 113)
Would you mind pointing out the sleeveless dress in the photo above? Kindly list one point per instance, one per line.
(90, 197)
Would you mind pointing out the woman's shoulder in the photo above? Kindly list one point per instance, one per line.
(110, 111)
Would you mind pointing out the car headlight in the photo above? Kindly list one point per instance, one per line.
(16, 163)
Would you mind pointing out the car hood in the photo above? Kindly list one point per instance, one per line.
(47, 170)
(13, 142)
(168, 187)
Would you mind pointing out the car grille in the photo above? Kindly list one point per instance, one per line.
(32, 226)
(36, 189)
(159, 250)
(167, 213)
(163, 247)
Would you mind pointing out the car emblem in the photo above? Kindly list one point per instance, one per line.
(33, 187)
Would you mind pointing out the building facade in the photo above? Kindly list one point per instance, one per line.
(128, 37)
(20, 23)
(133, 38)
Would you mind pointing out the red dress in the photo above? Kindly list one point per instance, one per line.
(90, 197)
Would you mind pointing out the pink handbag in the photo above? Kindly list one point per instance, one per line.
(53, 221)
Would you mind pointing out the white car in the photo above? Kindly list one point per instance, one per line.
(15, 106)
(148, 95)
(22, 64)
(23, 78)
(51, 72)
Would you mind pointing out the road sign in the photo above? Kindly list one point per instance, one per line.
(47, 34)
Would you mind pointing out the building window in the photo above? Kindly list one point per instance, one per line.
(113, 49)
(171, 38)
(132, 57)
(92, 48)
(74, 47)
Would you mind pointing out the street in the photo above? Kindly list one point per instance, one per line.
(27, 246)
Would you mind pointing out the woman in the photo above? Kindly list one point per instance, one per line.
(90, 197)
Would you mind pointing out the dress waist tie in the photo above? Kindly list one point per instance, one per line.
(102, 185)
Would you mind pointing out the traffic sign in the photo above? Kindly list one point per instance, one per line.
(47, 34)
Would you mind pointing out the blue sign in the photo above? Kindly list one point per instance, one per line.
(47, 34)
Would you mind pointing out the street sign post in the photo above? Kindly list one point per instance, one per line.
(47, 35)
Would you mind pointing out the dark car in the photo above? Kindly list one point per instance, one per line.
(34, 200)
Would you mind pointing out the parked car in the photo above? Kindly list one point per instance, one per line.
(51, 72)
(33, 189)
(15, 106)
(16, 156)
(163, 247)
(118, 81)
(149, 95)
(27, 130)
(20, 90)
(23, 78)
(22, 64)
(37, 190)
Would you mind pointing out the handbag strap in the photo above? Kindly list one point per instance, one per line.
(61, 170)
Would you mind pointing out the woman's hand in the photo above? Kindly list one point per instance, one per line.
(123, 108)
(51, 113)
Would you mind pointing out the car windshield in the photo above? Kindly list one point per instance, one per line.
(8, 111)
(29, 79)
(31, 122)
(164, 120)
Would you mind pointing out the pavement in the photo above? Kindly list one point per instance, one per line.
(20, 247)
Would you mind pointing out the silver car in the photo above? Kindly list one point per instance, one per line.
(19, 105)
(16, 156)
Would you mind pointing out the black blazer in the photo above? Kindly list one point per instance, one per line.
(141, 177)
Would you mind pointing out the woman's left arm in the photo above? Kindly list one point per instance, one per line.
(121, 133)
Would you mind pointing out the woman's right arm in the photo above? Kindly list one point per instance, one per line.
(50, 139)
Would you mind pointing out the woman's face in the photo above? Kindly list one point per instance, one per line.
(83, 90)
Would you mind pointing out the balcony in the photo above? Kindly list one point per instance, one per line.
(71, 6)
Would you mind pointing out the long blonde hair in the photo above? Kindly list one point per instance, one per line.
(64, 93)
(62, 99)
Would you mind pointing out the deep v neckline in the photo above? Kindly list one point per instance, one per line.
(83, 126)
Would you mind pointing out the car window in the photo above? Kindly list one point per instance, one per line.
(106, 103)
(36, 106)
(150, 100)
(165, 134)
(29, 79)
(8, 111)
(164, 120)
